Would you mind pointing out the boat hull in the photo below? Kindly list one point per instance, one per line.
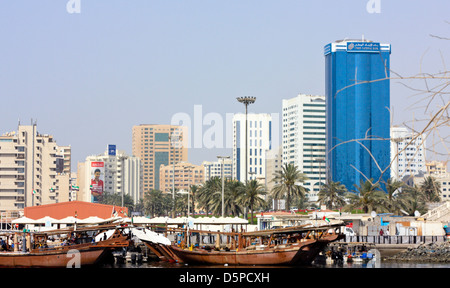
(301, 254)
(76, 255)
(57, 259)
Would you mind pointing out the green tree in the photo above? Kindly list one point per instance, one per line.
(251, 195)
(193, 190)
(413, 199)
(206, 193)
(431, 189)
(156, 203)
(287, 184)
(233, 191)
(116, 200)
(367, 196)
(394, 201)
(332, 194)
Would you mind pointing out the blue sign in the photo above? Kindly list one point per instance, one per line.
(112, 150)
(363, 47)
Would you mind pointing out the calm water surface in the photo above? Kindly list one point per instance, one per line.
(379, 264)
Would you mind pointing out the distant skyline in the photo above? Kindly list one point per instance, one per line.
(87, 78)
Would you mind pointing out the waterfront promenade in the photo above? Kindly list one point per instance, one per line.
(387, 245)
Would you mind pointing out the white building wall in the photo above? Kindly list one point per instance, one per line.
(214, 169)
(259, 140)
(407, 153)
(303, 138)
(28, 162)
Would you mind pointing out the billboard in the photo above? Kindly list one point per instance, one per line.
(97, 177)
(111, 150)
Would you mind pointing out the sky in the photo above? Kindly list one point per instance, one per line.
(87, 71)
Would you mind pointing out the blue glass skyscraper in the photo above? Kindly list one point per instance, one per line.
(357, 90)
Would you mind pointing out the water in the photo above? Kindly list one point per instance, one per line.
(372, 264)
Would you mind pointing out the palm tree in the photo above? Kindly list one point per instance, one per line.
(287, 180)
(181, 203)
(193, 191)
(430, 187)
(233, 191)
(332, 194)
(414, 200)
(367, 196)
(155, 203)
(394, 202)
(250, 196)
(206, 193)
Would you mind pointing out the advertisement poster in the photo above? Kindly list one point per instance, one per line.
(97, 178)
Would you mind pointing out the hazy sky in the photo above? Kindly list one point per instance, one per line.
(87, 78)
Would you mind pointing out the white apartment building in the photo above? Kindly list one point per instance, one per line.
(214, 169)
(407, 153)
(437, 170)
(32, 169)
(273, 165)
(119, 173)
(303, 139)
(259, 138)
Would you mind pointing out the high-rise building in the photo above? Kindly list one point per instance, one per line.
(214, 169)
(259, 138)
(157, 145)
(30, 171)
(357, 103)
(407, 153)
(118, 173)
(186, 174)
(273, 166)
(303, 139)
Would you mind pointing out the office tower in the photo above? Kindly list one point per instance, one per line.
(30, 173)
(119, 174)
(357, 104)
(186, 174)
(214, 169)
(303, 139)
(259, 140)
(155, 145)
(273, 165)
(407, 153)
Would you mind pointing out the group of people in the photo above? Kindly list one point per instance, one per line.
(14, 242)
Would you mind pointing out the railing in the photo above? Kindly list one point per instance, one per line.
(395, 239)
(438, 212)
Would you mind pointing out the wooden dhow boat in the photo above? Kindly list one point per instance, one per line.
(297, 245)
(64, 255)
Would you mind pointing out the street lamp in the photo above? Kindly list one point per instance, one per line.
(189, 169)
(187, 218)
(223, 184)
(247, 100)
(171, 147)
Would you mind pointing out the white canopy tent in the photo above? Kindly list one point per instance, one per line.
(67, 220)
(23, 220)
